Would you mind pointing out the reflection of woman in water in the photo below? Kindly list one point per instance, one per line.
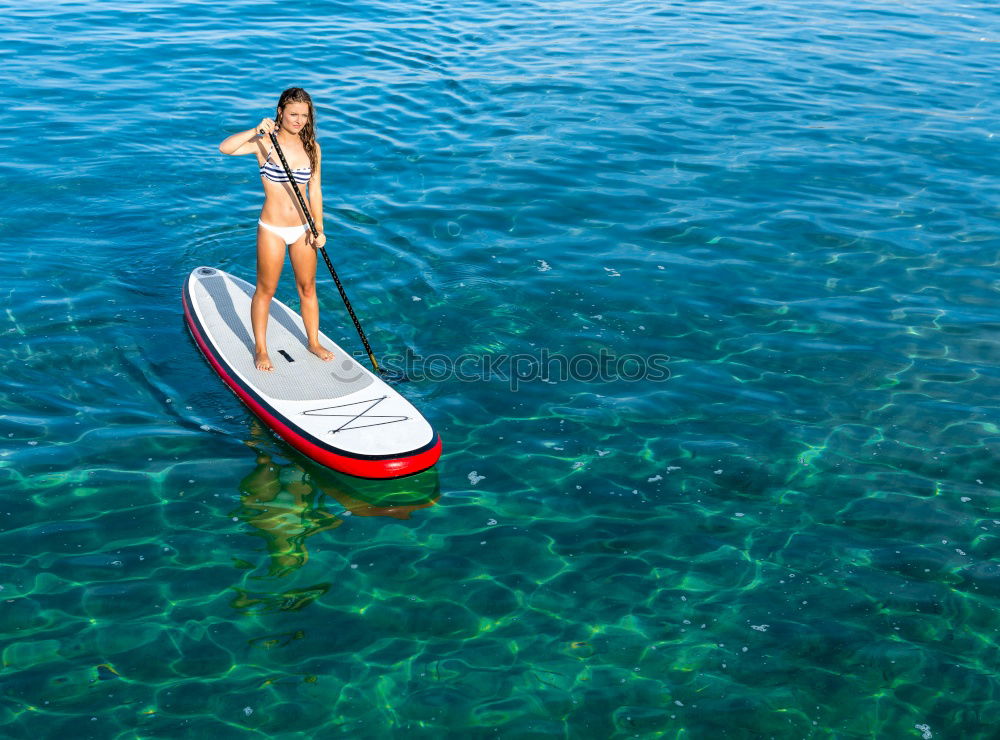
(284, 513)
(286, 509)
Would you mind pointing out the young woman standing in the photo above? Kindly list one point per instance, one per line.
(282, 223)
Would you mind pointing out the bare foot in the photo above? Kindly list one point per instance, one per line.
(321, 352)
(262, 361)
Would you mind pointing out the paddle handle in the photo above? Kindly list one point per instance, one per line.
(312, 227)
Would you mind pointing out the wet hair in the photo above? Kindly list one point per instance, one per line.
(308, 132)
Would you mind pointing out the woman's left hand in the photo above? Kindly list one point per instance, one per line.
(316, 242)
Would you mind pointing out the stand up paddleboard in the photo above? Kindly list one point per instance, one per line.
(336, 413)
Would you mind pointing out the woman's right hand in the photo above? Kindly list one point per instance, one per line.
(266, 126)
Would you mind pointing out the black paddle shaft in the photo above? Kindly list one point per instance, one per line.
(315, 232)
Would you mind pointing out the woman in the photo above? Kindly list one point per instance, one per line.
(282, 223)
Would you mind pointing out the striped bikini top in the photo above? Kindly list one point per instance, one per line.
(274, 172)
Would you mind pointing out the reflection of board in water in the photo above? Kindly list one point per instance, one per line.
(393, 498)
(360, 496)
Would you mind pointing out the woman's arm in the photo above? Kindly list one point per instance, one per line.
(245, 142)
(316, 198)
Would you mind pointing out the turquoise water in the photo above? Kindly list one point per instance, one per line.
(793, 531)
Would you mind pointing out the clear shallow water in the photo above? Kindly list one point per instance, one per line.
(795, 535)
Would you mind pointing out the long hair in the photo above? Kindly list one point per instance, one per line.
(308, 132)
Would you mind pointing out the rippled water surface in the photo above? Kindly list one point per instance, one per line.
(789, 528)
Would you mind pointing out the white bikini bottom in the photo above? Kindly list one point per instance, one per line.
(290, 234)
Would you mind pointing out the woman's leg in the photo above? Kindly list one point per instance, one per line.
(304, 264)
(270, 258)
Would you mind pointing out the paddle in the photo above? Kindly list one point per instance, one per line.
(315, 233)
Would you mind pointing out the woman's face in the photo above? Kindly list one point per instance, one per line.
(294, 116)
